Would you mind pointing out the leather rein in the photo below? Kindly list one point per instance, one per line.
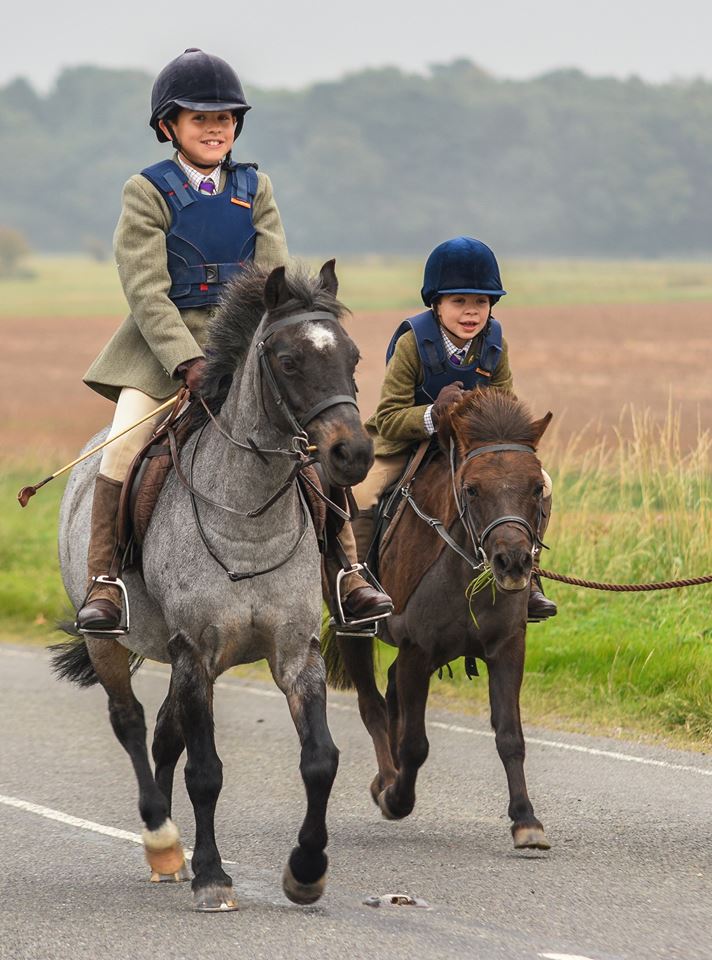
(299, 452)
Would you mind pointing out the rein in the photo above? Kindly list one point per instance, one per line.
(298, 453)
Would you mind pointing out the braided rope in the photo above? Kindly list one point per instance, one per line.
(625, 587)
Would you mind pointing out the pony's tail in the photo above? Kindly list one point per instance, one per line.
(71, 660)
(336, 673)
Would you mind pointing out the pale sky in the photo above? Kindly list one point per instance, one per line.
(274, 43)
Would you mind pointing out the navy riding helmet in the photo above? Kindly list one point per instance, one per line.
(196, 81)
(461, 265)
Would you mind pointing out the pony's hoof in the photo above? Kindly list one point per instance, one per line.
(386, 811)
(530, 838)
(301, 893)
(376, 788)
(164, 851)
(215, 899)
(180, 876)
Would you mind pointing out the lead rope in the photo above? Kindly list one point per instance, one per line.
(624, 587)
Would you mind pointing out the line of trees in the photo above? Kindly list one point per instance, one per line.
(387, 162)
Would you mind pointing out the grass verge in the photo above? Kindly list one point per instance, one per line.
(636, 665)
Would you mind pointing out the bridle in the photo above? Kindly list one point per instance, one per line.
(298, 425)
(299, 452)
(478, 539)
(479, 561)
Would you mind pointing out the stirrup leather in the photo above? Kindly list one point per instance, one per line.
(366, 626)
(123, 628)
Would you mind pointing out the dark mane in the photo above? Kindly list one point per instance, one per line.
(487, 416)
(233, 327)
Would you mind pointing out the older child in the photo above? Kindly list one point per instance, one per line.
(454, 345)
(187, 226)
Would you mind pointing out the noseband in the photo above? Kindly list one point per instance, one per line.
(298, 424)
(478, 540)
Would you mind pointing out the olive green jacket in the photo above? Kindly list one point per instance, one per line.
(397, 424)
(156, 337)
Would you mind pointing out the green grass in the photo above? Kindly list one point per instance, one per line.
(76, 286)
(638, 664)
(32, 597)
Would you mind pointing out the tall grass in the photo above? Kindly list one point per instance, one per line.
(637, 510)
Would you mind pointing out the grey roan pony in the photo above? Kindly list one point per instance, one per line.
(273, 376)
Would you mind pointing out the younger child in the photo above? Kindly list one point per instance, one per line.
(454, 345)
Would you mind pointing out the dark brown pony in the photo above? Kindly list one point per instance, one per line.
(486, 487)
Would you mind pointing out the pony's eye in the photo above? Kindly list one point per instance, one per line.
(287, 364)
(470, 490)
(538, 490)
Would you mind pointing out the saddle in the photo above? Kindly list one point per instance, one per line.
(151, 466)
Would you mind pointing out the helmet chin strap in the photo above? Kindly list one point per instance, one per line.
(226, 161)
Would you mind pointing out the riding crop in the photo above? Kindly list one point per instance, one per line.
(25, 495)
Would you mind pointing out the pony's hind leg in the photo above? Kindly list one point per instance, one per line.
(193, 692)
(412, 678)
(505, 679)
(162, 845)
(304, 876)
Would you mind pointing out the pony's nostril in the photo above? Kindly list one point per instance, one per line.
(501, 562)
(340, 453)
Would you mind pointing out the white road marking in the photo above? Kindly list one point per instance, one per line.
(49, 814)
(227, 683)
(563, 956)
(239, 685)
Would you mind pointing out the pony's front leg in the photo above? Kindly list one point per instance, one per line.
(168, 744)
(357, 655)
(162, 845)
(193, 686)
(304, 876)
(506, 669)
(412, 682)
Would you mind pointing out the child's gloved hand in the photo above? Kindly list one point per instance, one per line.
(192, 372)
(450, 394)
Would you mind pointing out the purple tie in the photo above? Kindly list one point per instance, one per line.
(207, 186)
(456, 359)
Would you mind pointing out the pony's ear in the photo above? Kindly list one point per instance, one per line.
(327, 275)
(276, 289)
(540, 426)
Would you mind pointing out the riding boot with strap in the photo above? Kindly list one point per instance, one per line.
(540, 607)
(102, 606)
(360, 599)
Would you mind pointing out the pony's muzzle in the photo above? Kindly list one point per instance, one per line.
(511, 566)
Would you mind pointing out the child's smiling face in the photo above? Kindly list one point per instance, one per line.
(204, 137)
(463, 315)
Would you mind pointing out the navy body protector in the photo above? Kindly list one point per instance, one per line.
(211, 237)
(438, 371)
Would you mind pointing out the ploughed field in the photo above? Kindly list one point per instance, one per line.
(583, 362)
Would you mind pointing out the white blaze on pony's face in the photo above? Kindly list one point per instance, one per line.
(320, 335)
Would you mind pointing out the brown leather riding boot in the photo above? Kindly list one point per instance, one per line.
(540, 607)
(102, 609)
(360, 599)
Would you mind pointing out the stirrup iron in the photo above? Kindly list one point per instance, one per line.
(367, 625)
(123, 628)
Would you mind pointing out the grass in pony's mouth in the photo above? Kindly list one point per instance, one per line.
(477, 585)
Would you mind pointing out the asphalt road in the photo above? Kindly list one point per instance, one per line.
(628, 876)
